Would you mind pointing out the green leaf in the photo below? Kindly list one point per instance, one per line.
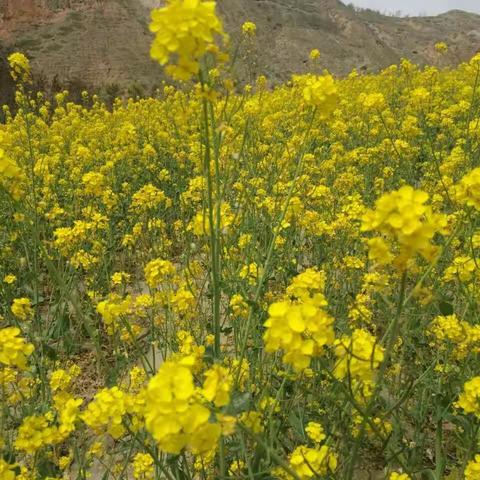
(445, 308)
(240, 402)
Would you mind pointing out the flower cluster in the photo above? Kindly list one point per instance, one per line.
(7, 470)
(472, 470)
(467, 191)
(321, 92)
(22, 308)
(300, 326)
(37, 431)
(399, 476)
(174, 413)
(249, 28)
(457, 335)
(157, 271)
(106, 411)
(311, 462)
(143, 468)
(359, 355)
(469, 399)
(403, 216)
(14, 350)
(185, 28)
(20, 66)
(12, 176)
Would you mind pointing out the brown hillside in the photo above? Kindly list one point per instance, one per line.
(107, 41)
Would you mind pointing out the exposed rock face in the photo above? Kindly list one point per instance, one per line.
(95, 41)
(289, 29)
(33, 10)
(107, 41)
(21, 10)
(7, 87)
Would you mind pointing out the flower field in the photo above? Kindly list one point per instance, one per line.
(242, 281)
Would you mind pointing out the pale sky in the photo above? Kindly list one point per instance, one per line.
(418, 7)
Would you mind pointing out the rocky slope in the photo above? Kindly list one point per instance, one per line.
(348, 39)
(102, 42)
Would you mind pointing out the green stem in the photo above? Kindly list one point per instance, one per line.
(271, 248)
(214, 223)
(390, 337)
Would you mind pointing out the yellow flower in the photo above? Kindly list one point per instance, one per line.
(379, 251)
(236, 467)
(36, 432)
(148, 197)
(314, 54)
(217, 385)
(175, 416)
(20, 66)
(374, 102)
(69, 414)
(308, 285)
(106, 411)
(402, 215)
(143, 468)
(249, 28)
(315, 432)
(158, 271)
(358, 355)
(239, 306)
(472, 470)
(7, 470)
(463, 268)
(252, 420)
(61, 379)
(312, 462)
(451, 332)
(65, 461)
(244, 240)
(469, 399)
(468, 190)
(94, 183)
(22, 308)
(11, 176)
(118, 278)
(399, 476)
(9, 279)
(300, 326)
(200, 225)
(185, 28)
(321, 92)
(301, 331)
(13, 349)
(95, 450)
(441, 47)
(251, 273)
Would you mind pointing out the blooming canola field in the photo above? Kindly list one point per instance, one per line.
(242, 281)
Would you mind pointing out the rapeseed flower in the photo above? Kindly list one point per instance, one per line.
(249, 28)
(322, 93)
(14, 350)
(185, 28)
(468, 189)
(403, 216)
(19, 66)
(472, 470)
(469, 399)
(22, 308)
